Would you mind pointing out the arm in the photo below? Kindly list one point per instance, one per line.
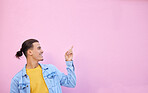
(68, 80)
(14, 87)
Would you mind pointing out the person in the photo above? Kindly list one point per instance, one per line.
(41, 78)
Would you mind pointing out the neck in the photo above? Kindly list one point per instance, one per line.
(31, 63)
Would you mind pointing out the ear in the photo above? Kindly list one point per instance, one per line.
(29, 52)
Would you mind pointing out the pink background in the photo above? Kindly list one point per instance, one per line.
(110, 39)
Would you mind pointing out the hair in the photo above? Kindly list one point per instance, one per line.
(25, 46)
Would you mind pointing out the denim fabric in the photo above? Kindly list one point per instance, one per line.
(54, 79)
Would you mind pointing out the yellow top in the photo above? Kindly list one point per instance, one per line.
(37, 83)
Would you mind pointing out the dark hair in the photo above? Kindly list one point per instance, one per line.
(25, 46)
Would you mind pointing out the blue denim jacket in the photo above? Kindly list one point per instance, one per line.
(54, 79)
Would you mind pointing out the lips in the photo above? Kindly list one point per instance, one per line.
(41, 54)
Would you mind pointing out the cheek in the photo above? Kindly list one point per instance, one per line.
(35, 54)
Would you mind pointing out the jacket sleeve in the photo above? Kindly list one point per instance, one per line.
(14, 87)
(68, 80)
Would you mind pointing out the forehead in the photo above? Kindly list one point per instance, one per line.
(36, 44)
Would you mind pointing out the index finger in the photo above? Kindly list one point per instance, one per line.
(71, 48)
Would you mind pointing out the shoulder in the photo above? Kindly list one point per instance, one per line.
(50, 66)
(17, 76)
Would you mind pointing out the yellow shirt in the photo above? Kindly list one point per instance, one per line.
(37, 83)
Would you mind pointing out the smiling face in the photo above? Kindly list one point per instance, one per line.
(36, 52)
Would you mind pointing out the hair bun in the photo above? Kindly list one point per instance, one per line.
(18, 54)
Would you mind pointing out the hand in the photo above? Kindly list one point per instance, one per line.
(69, 55)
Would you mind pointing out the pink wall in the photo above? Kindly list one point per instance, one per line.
(110, 39)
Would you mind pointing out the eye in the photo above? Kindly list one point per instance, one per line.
(39, 47)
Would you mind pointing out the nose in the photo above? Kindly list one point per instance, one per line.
(42, 51)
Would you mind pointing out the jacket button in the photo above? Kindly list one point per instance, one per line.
(27, 86)
(26, 76)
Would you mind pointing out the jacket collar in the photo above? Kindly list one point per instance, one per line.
(44, 67)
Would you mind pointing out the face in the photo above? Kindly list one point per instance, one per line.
(36, 52)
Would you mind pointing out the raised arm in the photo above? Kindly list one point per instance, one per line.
(68, 80)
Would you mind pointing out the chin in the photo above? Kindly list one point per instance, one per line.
(41, 59)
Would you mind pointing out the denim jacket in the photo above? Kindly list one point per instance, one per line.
(54, 79)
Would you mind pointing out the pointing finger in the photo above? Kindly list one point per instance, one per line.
(71, 48)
